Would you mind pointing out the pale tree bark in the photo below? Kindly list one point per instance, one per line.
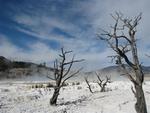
(62, 73)
(122, 40)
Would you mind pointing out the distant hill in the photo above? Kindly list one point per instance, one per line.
(6, 64)
(115, 72)
(19, 69)
(146, 69)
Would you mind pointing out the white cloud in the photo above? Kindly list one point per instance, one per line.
(38, 53)
(42, 26)
(99, 13)
(96, 60)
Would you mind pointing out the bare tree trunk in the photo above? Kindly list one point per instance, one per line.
(103, 89)
(88, 85)
(140, 105)
(53, 100)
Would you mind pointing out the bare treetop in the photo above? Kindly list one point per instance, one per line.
(63, 67)
(118, 39)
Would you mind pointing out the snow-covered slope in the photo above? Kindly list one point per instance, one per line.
(21, 98)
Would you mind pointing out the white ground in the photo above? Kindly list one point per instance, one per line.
(21, 98)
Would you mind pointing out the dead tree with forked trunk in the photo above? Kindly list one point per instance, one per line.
(62, 73)
(103, 83)
(122, 40)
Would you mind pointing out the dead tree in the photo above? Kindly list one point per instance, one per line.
(122, 40)
(89, 86)
(103, 83)
(62, 73)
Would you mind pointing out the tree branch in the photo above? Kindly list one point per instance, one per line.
(72, 75)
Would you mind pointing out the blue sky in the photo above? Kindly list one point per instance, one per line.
(35, 30)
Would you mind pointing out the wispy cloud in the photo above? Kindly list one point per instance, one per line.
(38, 52)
